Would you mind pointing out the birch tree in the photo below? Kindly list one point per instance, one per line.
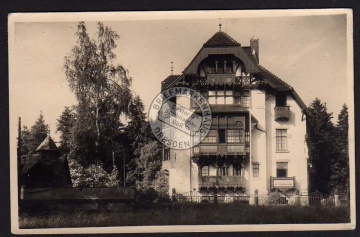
(102, 89)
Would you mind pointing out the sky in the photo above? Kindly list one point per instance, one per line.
(307, 52)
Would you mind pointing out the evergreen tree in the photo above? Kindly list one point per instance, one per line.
(340, 163)
(25, 140)
(139, 134)
(321, 142)
(38, 133)
(64, 126)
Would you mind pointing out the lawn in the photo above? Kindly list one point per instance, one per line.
(187, 214)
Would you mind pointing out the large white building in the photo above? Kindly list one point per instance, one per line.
(257, 137)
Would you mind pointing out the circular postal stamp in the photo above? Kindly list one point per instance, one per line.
(180, 117)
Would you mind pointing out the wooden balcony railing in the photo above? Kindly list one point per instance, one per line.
(219, 148)
(282, 182)
(282, 113)
(222, 79)
(221, 182)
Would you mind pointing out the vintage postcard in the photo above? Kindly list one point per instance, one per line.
(193, 121)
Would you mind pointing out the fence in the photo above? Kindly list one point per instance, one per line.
(273, 198)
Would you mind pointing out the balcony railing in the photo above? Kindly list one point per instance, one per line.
(219, 148)
(282, 113)
(222, 79)
(221, 181)
(282, 182)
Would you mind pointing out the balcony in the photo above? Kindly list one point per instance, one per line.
(222, 149)
(282, 182)
(282, 113)
(221, 79)
(221, 182)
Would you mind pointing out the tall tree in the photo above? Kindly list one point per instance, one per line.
(38, 133)
(340, 163)
(103, 93)
(139, 134)
(25, 140)
(147, 177)
(65, 125)
(322, 146)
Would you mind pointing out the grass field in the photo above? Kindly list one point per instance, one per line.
(190, 214)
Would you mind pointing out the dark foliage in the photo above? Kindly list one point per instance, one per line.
(328, 149)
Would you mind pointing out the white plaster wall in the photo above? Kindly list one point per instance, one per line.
(180, 174)
(263, 149)
(297, 155)
(258, 143)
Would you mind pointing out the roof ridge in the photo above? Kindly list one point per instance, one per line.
(231, 38)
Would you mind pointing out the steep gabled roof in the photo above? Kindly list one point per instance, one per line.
(247, 50)
(53, 167)
(279, 85)
(274, 81)
(30, 161)
(168, 81)
(47, 145)
(221, 39)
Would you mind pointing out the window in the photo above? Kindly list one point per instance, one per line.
(281, 169)
(166, 154)
(242, 98)
(229, 97)
(211, 137)
(281, 100)
(205, 171)
(193, 104)
(222, 171)
(281, 139)
(196, 150)
(221, 66)
(220, 97)
(212, 97)
(222, 133)
(246, 99)
(237, 170)
(255, 170)
(233, 136)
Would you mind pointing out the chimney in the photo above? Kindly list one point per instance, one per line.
(254, 46)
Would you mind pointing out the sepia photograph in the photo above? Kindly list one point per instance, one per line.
(192, 121)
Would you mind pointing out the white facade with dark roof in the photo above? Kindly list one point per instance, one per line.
(258, 132)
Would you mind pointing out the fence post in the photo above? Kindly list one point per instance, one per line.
(256, 198)
(215, 196)
(173, 192)
(297, 197)
(336, 197)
